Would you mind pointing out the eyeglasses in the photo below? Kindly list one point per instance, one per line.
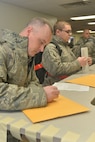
(68, 31)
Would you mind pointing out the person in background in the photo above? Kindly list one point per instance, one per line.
(86, 37)
(86, 40)
(60, 66)
(19, 86)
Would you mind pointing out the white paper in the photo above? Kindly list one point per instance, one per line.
(84, 53)
(71, 87)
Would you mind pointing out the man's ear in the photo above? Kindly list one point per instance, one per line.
(57, 31)
(29, 29)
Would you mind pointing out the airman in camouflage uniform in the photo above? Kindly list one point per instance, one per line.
(86, 40)
(60, 66)
(19, 86)
(14, 78)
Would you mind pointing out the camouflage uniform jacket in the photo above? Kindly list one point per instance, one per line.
(58, 65)
(90, 43)
(19, 89)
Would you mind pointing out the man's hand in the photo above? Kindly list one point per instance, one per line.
(51, 92)
(83, 61)
(89, 61)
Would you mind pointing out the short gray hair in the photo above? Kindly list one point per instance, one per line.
(39, 21)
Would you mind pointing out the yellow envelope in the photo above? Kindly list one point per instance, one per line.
(59, 108)
(88, 80)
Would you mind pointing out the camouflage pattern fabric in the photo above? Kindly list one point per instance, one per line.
(90, 43)
(19, 88)
(57, 65)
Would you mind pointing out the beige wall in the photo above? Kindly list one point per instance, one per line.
(15, 18)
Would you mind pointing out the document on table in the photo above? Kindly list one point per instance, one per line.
(88, 80)
(60, 107)
(71, 87)
(84, 53)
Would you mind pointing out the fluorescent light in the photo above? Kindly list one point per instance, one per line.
(91, 23)
(92, 32)
(83, 17)
(81, 31)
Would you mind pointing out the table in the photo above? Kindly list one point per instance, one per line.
(74, 128)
